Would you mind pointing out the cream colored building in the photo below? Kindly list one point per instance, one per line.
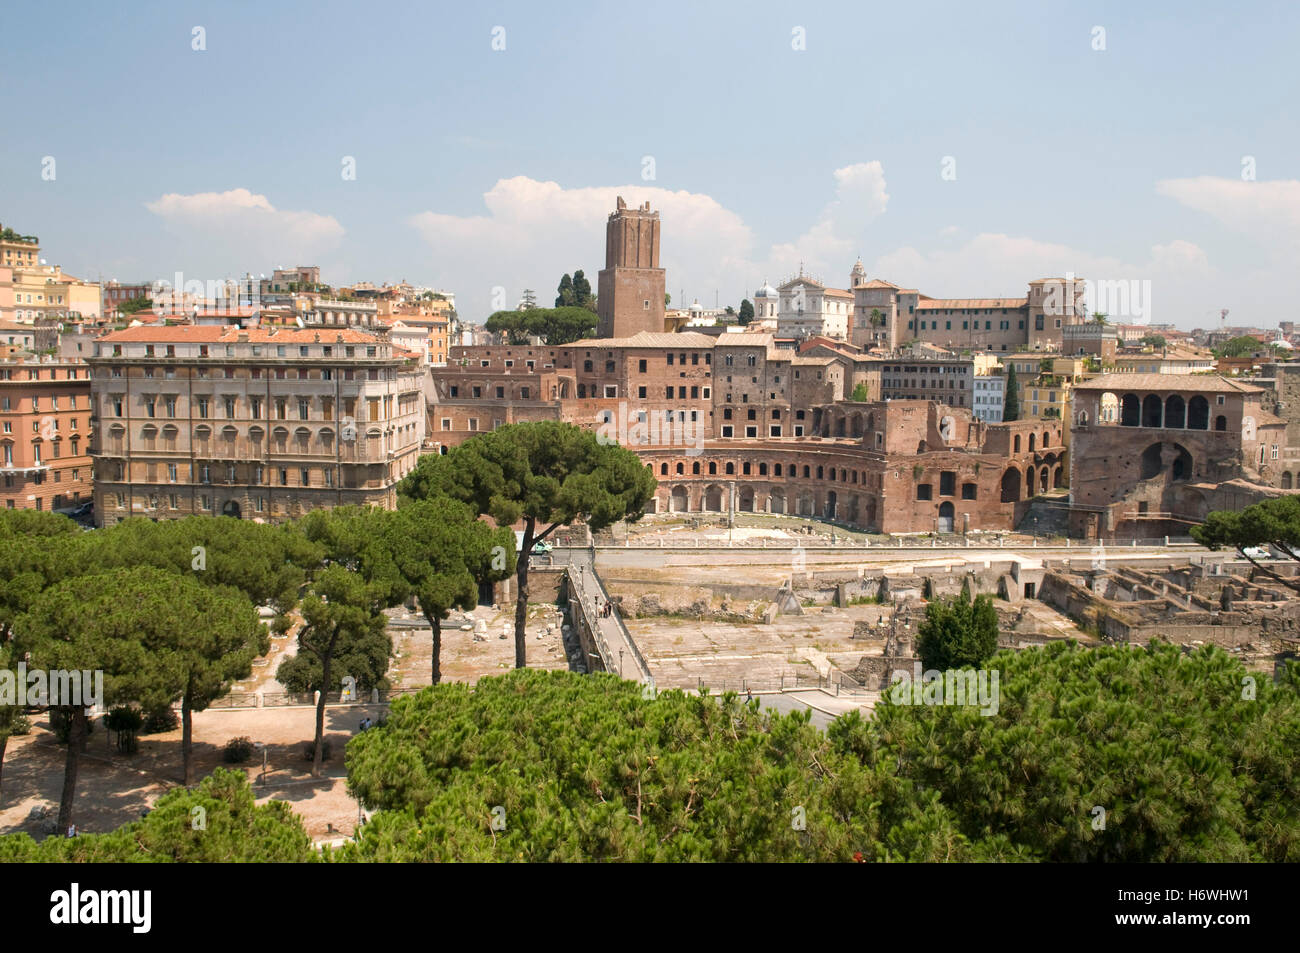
(807, 308)
(30, 290)
(259, 423)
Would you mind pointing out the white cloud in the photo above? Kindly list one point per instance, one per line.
(536, 231)
(860, 196)
(1267, 211)
(238, 229)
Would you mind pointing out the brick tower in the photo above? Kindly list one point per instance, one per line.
(630, 291)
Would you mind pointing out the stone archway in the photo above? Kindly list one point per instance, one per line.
(776, 501)
(946, 516)
(1011, 485)
(231, 508)
(745, 502)
(680, 501)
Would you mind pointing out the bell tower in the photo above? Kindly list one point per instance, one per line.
(630, 288)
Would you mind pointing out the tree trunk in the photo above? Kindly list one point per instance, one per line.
(521, 597)
(435, 624)
(319, 757)
(4, 743)
(76, 741)
(187, 737)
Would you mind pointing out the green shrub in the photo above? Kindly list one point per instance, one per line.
(160, 720)
(237, 750)
(126, 721)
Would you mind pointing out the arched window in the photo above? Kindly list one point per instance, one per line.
(1130, 411)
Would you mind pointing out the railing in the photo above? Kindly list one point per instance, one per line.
(844, 543)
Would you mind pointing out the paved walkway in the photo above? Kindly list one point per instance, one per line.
(614, 642)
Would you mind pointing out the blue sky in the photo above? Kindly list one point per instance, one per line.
(488, 171)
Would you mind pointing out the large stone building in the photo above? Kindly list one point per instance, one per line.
(30, 290)
(262, 423)
(737, 420)
(45, 432)
(885, 315)
(1152, 454)
(631, 287)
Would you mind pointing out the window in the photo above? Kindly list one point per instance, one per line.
(924, 491)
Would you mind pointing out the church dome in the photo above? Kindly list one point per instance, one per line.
(767, 291)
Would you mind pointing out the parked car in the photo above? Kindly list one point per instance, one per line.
(84, 509)
(1257, 552)
(540, 548)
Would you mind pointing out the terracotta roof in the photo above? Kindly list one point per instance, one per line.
(838, 293)
(648, 339)
(876, 283)
(1206, 383)
(745, 338)
(233, 334)
(968, 303)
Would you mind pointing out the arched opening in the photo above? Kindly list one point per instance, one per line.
(681, 470)
(1130, 411)
(695, 468)
(807, 506)
(920, 447)
(1107, 408)
(663, 469)
(1286, 479)
(680, 502)
(1150, 463)
(1011, 485)
(831, 501)
(1044, 476)
(839, 427)
(1057, 476)
(1220, 423)
(1047, 440)
(231, 508)
(1015, 446)
(776, 501)
(1182, 466)
(1198, 413)
(1175, 412)
(730, 468)
(713, 499)
(1153, 411)
(871, 513)
(746, 499)
(850, 512)
(1029, 481)
(1031, 443)
(946, 513)
(856, 428)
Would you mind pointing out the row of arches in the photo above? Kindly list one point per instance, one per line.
(1035, 442)
(776, 500)
(1035, 480)
(788, 471)
(1170, 413)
